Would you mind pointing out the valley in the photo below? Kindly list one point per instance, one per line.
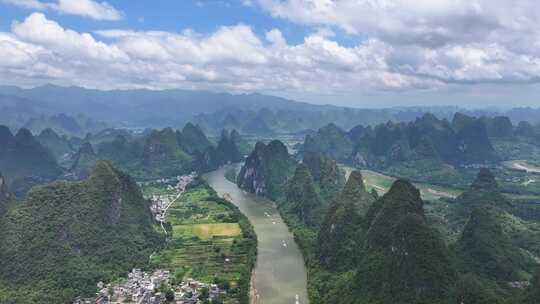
(192, 215)
(269, 152)
(209, 241)
(382, 183)
(279, 276)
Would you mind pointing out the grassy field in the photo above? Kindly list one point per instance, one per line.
(209, 242)
(208, 231)
(382, 183)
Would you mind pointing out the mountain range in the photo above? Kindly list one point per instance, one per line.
(361, 248)
(79, 111)
(27, 160)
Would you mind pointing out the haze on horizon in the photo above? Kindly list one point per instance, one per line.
(355, 53)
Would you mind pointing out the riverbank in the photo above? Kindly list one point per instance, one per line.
(209, 241)
(522, 165)
(280, 275)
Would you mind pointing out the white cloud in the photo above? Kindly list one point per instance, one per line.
(28, 4)
(38, 50)
(39, 30)
(89, 8)
(85, 8)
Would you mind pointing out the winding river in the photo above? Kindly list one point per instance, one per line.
(279, 276)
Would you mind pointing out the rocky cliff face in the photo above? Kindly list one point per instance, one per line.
(252, 175)
(266, 170)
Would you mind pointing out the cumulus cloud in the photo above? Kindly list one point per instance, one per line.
(431, 23)
(85, 8)
(446, 40)
(38, 50)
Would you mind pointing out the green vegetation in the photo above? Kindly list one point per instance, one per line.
(192, 139)
(166, 153)
(230, 174)
(162, 155)
(211, 241)
(332, 141)
(266, 170)
(338, 242)
(58, 146)
(405, 261)
(5, 196)
(76, 125)
(123, 151)
(392, 250)
(533, 292)
(67, 236)
(427, 150)
(302, 199)
(487, 250)
(83, 161)
(326, 173)
(24, 161)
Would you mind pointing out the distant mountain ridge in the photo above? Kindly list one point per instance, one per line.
(465, 140)
(212, 111)
(24, 161)
(27, 160)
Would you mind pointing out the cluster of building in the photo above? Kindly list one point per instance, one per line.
(194, 292)
(148, 288)
(160, 203)
(140, 287)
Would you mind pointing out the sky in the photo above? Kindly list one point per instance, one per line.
(361, 53)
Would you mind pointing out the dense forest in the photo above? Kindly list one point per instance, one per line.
(66, 236)
(27, 160)
(361, 247)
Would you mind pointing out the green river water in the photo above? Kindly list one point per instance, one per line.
(280, 275)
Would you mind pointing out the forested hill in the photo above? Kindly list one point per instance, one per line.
(24, 161)
(88, 231)
(464, 140)
(27, 160)
(361, 248)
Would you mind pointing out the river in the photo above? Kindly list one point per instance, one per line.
(522, 165)
(280, 275)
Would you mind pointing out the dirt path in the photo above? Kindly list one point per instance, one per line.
(167, 208)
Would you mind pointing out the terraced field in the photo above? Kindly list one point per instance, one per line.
(208, 242)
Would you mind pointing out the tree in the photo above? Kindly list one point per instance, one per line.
(169, 295)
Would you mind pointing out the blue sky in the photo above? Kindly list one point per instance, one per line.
(359, 53)
(203, 16)
(174, 16)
